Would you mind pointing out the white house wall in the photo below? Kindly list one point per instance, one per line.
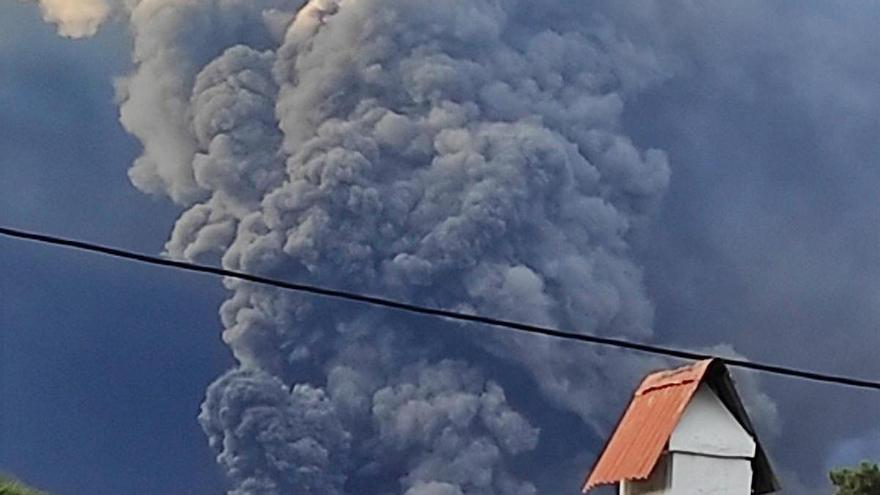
(708, 427)
(703, 475)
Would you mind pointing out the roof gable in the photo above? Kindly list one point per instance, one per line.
(707, 427)
(657, 406)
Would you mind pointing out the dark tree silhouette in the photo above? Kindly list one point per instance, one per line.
(861, 480)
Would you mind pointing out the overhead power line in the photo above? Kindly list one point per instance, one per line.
(452, 315)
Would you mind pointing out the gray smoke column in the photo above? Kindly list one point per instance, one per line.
(462, 154)
(75, 18)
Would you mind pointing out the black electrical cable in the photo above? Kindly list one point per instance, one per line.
(412, 308)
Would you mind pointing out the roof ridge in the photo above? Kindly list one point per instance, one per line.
(661, 386)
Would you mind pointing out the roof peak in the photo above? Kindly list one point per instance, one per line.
(676, 376)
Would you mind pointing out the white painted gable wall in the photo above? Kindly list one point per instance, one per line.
(709, 453)
(707, 427)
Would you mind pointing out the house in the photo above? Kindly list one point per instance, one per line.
(685, 432)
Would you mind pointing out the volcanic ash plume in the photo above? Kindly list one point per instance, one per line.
(458, 154)
(75, 18)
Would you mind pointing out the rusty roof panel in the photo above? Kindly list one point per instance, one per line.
(643, 431)
(678, 376)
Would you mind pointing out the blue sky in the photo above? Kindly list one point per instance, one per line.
(770, 125)
(104, 363)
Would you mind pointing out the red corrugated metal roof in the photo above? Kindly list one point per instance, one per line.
(641, 436)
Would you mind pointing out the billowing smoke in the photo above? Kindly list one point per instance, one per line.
(460, 154)
(471, 156)
(75, 18)
(272, 439)
(431, 427)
